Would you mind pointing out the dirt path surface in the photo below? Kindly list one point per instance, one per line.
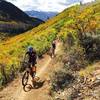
(14, 91)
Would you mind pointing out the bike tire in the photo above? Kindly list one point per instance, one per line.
(27, 87)
(25, 78)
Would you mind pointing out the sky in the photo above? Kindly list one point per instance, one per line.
(45, 5)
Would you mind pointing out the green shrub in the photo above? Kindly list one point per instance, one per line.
(91, 46)
(75, 58)
(61, 79)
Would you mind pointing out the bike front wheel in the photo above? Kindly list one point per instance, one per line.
(25, 78)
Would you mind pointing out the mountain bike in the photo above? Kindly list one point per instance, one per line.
(25, 79)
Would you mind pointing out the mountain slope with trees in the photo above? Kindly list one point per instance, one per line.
(13, 20)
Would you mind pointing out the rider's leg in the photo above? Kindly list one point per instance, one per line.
(33, 76)
(30, 69)
(34, 70)
(31, 73)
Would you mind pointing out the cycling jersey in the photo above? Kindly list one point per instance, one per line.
(32, 57)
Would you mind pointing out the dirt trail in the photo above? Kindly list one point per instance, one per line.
(16, 89)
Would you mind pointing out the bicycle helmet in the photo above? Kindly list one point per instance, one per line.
(30, 48)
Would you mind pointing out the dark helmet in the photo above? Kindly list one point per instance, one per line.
(30, 48)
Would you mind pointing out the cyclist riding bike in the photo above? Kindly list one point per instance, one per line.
(53, 48)
(32, 56)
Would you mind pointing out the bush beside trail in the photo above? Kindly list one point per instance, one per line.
(81, 38)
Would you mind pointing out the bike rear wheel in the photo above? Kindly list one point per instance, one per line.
(25, 78)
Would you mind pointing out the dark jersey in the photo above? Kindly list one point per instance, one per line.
(32, 56)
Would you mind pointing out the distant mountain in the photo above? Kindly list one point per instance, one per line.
(13, 20)
(41, 14)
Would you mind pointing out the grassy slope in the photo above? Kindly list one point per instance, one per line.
(40, 37)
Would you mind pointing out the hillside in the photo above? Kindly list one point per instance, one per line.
(13, 20)
(78, 27)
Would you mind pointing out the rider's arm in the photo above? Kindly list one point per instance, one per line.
(25, 55)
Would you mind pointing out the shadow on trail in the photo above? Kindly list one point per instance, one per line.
(36, 85)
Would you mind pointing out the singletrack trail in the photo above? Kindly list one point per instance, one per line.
(14, 91)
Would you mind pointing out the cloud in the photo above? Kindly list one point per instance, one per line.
(45, 5)
(85, 1)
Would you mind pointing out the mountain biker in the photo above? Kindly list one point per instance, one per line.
(53, 47)
(32, 56)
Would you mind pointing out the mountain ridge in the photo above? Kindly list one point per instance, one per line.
(43, 15)
(14, 20)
